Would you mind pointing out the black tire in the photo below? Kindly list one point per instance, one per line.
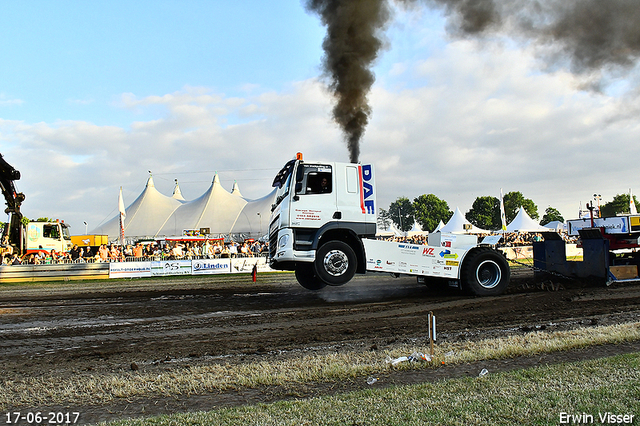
(335, 263)
(485, 272)
(307, 278)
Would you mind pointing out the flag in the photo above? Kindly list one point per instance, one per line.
(123, 214)
(632, 204)
(503, 216)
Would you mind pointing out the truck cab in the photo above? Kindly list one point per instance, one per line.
(321, 213)
(49, 236)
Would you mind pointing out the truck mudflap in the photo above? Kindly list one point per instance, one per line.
(413, 259)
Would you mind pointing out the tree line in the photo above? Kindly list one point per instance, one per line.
(428, 210)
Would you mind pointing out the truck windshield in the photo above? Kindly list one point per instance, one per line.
(282, 181)
(65, 233)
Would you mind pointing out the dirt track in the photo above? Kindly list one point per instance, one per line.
(93, 328)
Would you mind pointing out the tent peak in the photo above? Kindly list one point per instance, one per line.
(236, 189)
(177, 193)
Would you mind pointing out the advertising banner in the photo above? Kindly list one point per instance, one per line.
(188, 267)
(210, 266)
(612, 225)
(171, 267)
(129, 269)
(245, 264)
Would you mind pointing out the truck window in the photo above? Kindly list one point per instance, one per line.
(65, 233)
(317, 180)
(51, 231)
(282, 182)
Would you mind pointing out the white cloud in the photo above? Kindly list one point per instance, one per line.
(9, 102)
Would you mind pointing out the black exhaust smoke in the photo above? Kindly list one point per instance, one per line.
(590, 35)
(351, 45)
(587, 36)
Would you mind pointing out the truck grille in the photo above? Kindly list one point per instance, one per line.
(273, 245)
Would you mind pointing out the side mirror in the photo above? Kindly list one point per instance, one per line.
(300, 173)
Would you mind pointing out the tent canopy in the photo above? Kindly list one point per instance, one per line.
(523, 223)
(458, 224)
(153, 214)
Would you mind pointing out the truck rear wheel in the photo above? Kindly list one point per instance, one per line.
(485, 272)
(307, 278)
(335, 263)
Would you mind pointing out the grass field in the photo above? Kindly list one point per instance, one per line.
(607, 388)
(333, 367)
(534, 396)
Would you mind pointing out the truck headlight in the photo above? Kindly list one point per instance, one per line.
(284, 240)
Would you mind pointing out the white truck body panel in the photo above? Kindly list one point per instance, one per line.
(441, 258)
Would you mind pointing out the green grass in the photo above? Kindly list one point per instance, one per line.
(313, 368)
(533, 396)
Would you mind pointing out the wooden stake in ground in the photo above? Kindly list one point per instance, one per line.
(432, 330)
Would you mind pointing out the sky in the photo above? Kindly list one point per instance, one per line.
(97, 95)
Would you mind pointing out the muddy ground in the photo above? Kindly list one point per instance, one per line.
(71, 329)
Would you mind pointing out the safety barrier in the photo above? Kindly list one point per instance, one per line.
(130, 268)
(54, 272)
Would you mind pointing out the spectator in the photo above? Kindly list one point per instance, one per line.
(103, 252)
(138, 251)
(233, 249)
(74, 252)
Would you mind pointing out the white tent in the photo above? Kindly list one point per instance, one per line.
(439, 227)
(523, 223)
(144, 216)
(556, 225)
(391, 231)
(254, 217)
(216, 209)
(458, 224)
(416, 230)
(153, 214)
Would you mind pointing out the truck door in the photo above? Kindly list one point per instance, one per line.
(314, 201)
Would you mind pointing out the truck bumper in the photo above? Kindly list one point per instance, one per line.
(285, 257)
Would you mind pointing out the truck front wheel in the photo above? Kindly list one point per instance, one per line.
(485, 272)
(335, 263)
(307, 278)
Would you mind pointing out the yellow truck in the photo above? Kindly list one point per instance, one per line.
(89, 240)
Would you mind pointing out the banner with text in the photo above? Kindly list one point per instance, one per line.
(187, 267)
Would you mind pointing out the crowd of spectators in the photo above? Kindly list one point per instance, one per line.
(513, 239)
(211, 249)
(154, 250)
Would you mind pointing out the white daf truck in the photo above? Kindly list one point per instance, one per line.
(323, 227)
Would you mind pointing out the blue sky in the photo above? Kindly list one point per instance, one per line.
(70, 60)
(94, 95)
